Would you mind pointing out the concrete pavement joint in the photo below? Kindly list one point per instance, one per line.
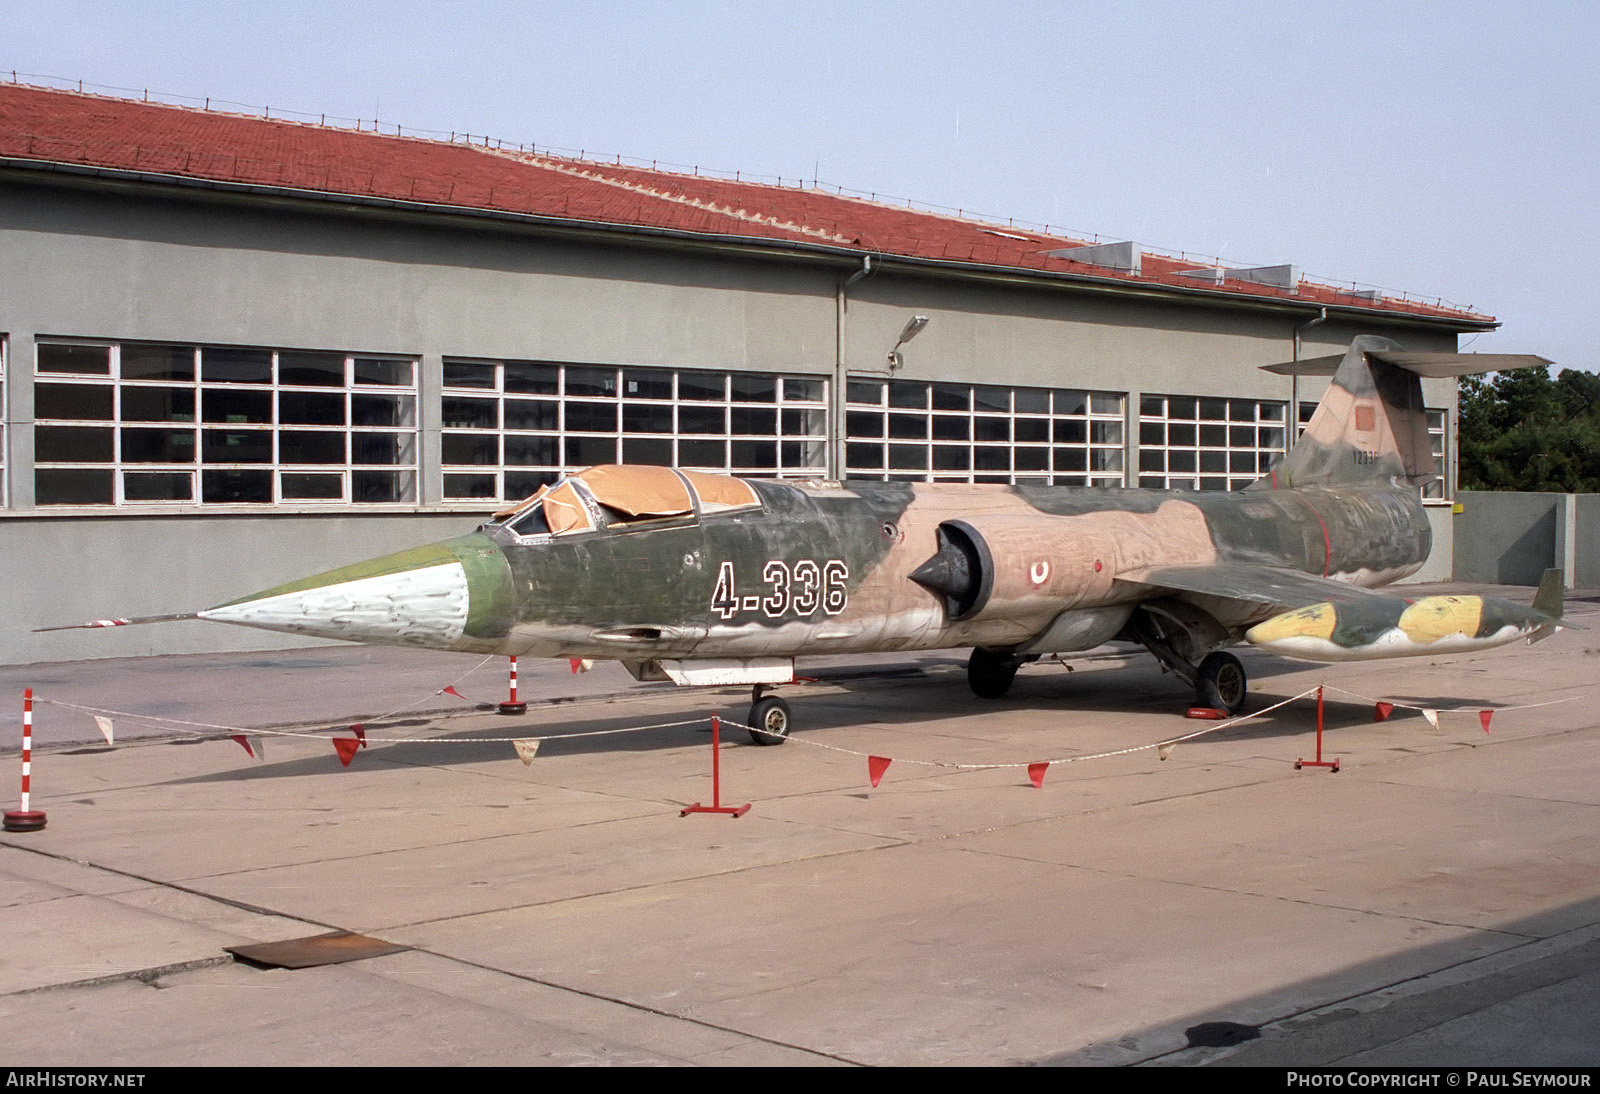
(646, 886)
(253, 909)
(641, 1007)
(1202, 887)
(144, 976)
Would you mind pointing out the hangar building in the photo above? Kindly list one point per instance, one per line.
(239, 349)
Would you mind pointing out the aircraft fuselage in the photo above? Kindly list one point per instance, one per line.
(826, 567)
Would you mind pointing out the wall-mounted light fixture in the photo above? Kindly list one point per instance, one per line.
(911, 330)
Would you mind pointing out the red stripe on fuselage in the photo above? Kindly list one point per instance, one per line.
(1327, 541)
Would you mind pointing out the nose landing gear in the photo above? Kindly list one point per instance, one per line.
(770, 718)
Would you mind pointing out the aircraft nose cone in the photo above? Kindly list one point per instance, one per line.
(450, 595)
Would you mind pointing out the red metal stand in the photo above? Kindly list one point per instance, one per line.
(716, 805)
(25, 819)
(511, 705)
(1331, 765)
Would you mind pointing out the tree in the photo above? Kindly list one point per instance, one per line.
(1523, 430)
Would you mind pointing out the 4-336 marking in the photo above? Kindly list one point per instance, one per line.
(798, 589)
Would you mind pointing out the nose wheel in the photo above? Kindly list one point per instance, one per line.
(770, 719)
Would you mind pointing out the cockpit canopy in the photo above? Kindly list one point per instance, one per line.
(613, 494)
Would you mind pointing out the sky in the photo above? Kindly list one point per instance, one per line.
(1447, 150)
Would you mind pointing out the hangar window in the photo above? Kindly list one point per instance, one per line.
(909, 430)
(511, 426)
(1189, 442)
(140, 423)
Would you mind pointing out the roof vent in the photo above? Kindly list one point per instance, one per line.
(1277, 277)
(1114, 256)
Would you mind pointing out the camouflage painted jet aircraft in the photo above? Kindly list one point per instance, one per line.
(708, 579)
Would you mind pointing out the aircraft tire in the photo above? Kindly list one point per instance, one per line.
(770, 721)
(1221, 683)
(990, 673)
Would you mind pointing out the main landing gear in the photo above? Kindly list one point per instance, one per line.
(990, 672)
(1180, 635)
(1220, 682)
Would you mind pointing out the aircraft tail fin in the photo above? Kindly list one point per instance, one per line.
(1372, 425)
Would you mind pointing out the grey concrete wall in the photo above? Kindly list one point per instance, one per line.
(1507, 538)
(1586, 537)
(1441, 560)
(60, 570)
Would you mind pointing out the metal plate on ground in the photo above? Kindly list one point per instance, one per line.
(320, 949)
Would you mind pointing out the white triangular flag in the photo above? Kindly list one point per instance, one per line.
(1165, 750)
(1432, 716)
(105, 727)
(527, 749)
(260, 749)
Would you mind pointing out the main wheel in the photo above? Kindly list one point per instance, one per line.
(990, 673)
(770, 721)
(1221, 683)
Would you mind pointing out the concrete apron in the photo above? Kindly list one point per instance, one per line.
(562, 912)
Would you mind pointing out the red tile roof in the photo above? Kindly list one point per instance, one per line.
(156, 139)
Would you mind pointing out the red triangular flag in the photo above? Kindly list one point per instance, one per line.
(575, 664)
(346, 747)
(361, 734)
(244, 744)
(1036, 773)
(876, 766)
(451, 690)
(1484, 716)
(1382, 711)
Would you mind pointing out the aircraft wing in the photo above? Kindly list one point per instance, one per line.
(1271, 586)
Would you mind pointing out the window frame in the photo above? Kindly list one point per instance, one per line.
(795, 397)
(209, 420)
(1267, 417)
(1102, 446)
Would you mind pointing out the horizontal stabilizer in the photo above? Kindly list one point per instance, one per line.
(1431, 366)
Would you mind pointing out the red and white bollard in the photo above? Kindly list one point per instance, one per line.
(25, 819)
(511, 705)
